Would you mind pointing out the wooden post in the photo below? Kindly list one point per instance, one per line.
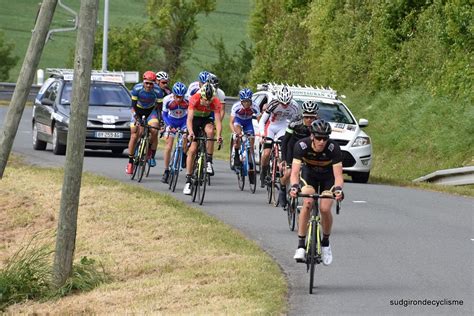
(67, 225)
(25, 80)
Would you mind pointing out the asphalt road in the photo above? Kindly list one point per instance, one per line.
(389, 243)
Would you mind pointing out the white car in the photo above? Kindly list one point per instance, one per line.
(355, 144)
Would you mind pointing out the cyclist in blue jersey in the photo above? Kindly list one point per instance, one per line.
(240, 121)
(175, 112)
(144, 100)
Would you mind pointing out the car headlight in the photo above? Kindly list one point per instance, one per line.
(361, 141)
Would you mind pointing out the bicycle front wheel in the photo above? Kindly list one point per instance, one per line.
(275, 183)
(252, 173)
(291, 213)
(313, 254)
(241, 176)
(204, 178)
(142, 159)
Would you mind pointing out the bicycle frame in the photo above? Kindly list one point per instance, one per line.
(142, 152)
(274, 184)
(247, 159)
(176, 162)
(313, 239)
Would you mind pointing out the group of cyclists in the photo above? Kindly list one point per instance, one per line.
(310, 159)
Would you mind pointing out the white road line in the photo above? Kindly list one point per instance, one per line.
(359, 201)
(472, 239)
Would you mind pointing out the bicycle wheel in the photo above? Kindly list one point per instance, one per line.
(269, 185)
(313, 254)
(241, 174)
(142, 159)
(203, 180)
(252, 173)
(196, 175)
(148, 157)
(275, 183)
(176, 169)
(135, 159)
(291, 213)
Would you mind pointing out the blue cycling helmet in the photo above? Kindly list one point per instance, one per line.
(245, 94)
(203, 75)
(179, 89)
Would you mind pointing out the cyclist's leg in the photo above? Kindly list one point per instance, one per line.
(326, 221)
(169, 136)
(238, 130)
(134, 135)
(191, 153)
(209, 130)
(152, 120)
(304, 215)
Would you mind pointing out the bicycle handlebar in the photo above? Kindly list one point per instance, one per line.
(323, 196)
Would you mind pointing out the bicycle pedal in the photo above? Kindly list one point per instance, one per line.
(300, 260)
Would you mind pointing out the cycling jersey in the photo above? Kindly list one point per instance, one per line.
(146, 99)
(201, 110)
(318, 164)
(295, 131)
(240, 112)
(275, 118)
(192, 89)
(174, 113)
(243, 116)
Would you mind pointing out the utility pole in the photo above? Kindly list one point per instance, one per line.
(25, 80)
(67, 224)
(106, 36)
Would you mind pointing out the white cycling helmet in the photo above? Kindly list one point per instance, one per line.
(284, 95)
(161, 75)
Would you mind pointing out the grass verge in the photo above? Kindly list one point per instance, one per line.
(161, 255)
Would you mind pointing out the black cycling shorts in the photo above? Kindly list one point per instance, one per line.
(199, 123)
(323, 181)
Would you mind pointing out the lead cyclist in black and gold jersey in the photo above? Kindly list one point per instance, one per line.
(320, 161)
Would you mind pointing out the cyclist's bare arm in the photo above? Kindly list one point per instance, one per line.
(189, 122)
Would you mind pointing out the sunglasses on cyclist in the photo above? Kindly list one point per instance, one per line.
(321, 138)
(148, 83)
(164, 82)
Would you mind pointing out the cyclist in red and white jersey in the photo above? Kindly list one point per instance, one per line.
(273, 124)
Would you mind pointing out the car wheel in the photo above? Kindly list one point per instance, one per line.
(58, 149)
(117, 151)
(37, 144)
(360, 177)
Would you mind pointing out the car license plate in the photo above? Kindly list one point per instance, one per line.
(108, 135)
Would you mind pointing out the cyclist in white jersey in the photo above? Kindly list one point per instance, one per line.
(196, 85)
(274, 122)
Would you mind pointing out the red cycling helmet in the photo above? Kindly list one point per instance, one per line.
(149, 75)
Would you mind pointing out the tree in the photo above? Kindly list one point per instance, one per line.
(132, 47)
(8, 61)
(175, 21)
(232, 70)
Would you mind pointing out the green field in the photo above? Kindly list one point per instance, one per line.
(229, 20)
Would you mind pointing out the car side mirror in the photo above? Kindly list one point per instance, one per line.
(363, 122)
(47, 101)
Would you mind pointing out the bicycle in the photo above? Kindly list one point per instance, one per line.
(200, 177)
(142, 152)
(313, 237)
(273, 184)
(176, 162)
(247, 164)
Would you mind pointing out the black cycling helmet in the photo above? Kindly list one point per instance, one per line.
(310, 108)
(212, 79)
(320, 128)
(208, 91)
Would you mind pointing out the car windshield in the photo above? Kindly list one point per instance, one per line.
(333, 112)
(103, 94)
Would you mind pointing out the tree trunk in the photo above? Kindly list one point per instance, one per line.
(25, 80)
(67, 225)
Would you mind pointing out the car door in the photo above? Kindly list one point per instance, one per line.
(43, 113)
